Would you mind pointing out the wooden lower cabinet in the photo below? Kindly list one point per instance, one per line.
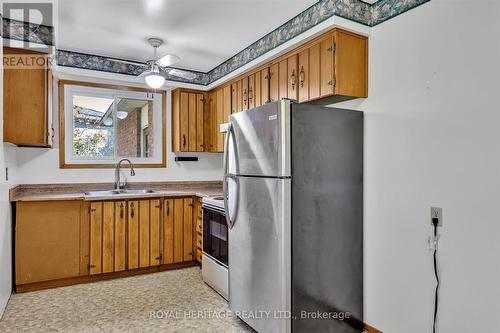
(74, 239)
(47, 240)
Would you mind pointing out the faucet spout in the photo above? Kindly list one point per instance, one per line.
(118, 185)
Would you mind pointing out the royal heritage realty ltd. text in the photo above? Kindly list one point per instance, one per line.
(209, 314)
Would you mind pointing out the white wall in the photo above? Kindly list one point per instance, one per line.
(432, 138)
(41, 166)
(6, 158)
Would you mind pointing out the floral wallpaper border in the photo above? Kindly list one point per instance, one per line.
(354, 10)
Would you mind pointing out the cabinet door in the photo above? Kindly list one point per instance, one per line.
(168, 231)
(314, 74)
(133, 234)
(120, 235)
(200, 102)
(25, 101)
(303, 76)
(188, 229)
(47, 240)
(234, 98)
(95, 238)
(273, 83)
(251, 91)
(283, 79)
(220, 118)
(184, 121)
(108, 236)
(292, 77)
(192, 122)
(178, 230)
(211, 123)
(258, 93)
(327, 75)
(264, 87)
(351, 64)
(144, 230)
(244, 93)
(176, 121)
(226, 91)
(155, 232)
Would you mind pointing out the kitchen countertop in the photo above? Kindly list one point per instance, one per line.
(47, 192)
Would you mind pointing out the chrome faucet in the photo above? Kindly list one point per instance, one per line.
(117, 172)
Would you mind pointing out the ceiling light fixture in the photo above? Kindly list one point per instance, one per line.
(122, 114)
(154, 80)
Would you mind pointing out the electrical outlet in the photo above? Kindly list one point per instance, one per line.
(437, 212)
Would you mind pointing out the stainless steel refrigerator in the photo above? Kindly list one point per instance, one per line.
(293, 189)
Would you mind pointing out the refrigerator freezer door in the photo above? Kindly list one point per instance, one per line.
(259, 247)
(260, 141)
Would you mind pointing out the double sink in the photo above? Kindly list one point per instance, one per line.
(119, 193)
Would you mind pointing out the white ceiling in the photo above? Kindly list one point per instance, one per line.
(202, 33)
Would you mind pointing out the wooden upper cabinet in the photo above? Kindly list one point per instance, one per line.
(292, 74)
(351, 64)
(273, 83)
(188, 116)
(303, 76)
(220, 119)
(283, 79)
(264, 86)
(251, 91)
(27, 100)
(344, 65)
(313, 75)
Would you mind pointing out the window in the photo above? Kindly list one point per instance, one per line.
(104, 123)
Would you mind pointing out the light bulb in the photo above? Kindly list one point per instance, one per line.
(155, 81)
(107, 121)
(122, 114)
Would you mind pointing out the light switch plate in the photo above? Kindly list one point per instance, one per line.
(437, 212)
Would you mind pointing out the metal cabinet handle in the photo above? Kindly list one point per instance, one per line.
(226, 176)
(293, 79)
(245, 98)
(184, 140)
(250, 93)
(168, 207)
(132, 213)
(121, 211)
(302, 76)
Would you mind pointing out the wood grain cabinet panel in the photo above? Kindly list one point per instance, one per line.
(251, 91)
(155, 232)
(258, 90)
(108, 236)
(47, 240)
(188, 230)
(303, 76)
(264, 88)
(327, 74)
(95, 238)
(273, 83)
(27, 100)
(244, 94)
(144, 230)
(133, 235)
(188, 121)
(283, 79)
(120, 235)
(314, 74)
(226, 100)
(292, 75)
(168, 231)
(178, 230)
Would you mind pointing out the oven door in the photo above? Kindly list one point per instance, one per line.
(215, 234)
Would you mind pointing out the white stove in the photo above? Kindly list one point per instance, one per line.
(214, 262)
(215, 201)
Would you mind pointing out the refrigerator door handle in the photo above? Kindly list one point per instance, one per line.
(226, 176)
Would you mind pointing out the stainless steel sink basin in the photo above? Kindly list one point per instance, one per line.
(118, 192)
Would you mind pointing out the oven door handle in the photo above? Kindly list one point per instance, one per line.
(226, 176)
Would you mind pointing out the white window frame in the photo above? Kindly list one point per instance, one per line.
(158, 124)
